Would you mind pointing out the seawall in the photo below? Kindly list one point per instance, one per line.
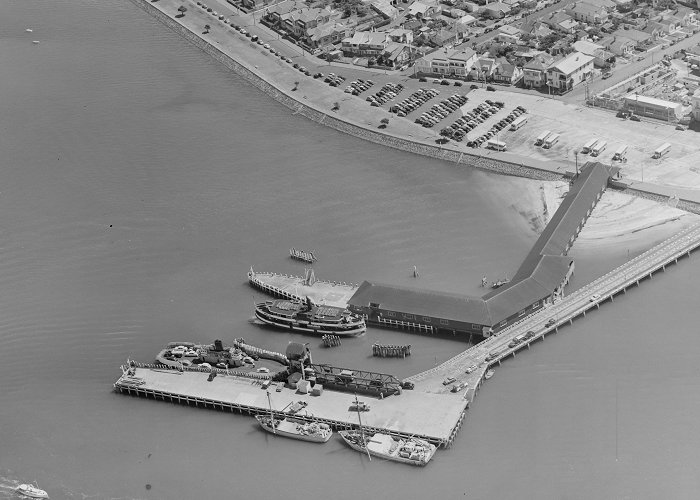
(346, 126)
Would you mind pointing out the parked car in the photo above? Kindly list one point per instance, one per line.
(635, 118)
(490, 88)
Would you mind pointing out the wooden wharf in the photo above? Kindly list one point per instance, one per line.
(434, 417)
(330, 293)
(430, 411)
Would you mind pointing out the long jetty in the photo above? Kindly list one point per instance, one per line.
(493, 350)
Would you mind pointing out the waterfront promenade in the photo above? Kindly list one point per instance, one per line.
(315, 100)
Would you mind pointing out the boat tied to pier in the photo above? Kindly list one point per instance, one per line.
(412, 450)
(302, 255)
(29, 490)
(307, 317)
(296, 428)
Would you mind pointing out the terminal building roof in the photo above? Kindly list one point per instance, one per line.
(542, 271)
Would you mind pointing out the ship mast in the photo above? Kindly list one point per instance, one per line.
(362, 432)
(272, 415)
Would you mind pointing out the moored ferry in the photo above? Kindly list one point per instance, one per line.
(316, 432)
(412, 451)
(307, 317)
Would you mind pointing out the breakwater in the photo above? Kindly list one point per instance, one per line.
(329, 119)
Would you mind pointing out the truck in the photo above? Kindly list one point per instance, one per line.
(551, 141)
(496, 145)
(620, 153)
(661, 150)
(588, 146)
(598, 148)
(518, 122)
(542, 137)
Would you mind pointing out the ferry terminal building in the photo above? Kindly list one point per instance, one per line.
(540, 279)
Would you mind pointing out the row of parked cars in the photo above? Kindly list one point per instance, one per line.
(334, 80)
(441, 110)
(497, 127)
(471, 119)
(358, 86)
(388, 92)
(414, 101)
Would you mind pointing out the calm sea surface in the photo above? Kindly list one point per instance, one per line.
(139, 180)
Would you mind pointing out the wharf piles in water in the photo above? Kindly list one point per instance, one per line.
(331, 340)
(391, 351)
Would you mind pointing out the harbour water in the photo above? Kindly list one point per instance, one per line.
(140, 181)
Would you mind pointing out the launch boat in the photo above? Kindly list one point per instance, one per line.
(412, 451)
(316, 432)
(310, 318)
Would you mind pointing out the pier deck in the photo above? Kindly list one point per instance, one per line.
(330, 293)
(435, 417)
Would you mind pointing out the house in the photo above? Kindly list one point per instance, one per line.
(619, 46)
(401, 35)
(588, 13)
(421, 10)
(692, 55)
(484, 68)
(509, 34)
(668, 25)
(535, 71)
(395, 55)
(695, 103)
(496, 10)
(444, 37)
(586, 47)
(560, 21)
(384, 8)
(449, 63)
(507, 73)
(328, 34)
(639, 38)
(473, 7)
(654, 29)
(465, 20)
(414, 25)
(365, 44)
(685, 15)
(566, 74)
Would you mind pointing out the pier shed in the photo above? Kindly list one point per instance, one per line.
(540, 278)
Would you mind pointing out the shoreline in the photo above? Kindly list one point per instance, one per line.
(494, 162)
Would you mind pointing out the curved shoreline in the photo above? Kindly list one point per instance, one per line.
(493, 163)
(345, 125)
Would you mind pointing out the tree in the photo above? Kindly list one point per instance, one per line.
(385, 121)
(296, 86)
(206, 28)
(336, 106)
(181, 9)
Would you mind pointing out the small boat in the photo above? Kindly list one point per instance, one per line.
(302, 255)
(35, 41)
(296, 428)
(29, 30)
(32, 491)
(488, 374)
(412, 451)
(307, 317)
(500, 283)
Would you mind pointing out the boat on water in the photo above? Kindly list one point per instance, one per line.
(488, 374)
(296, 428)
(31, 491)
(302, 255)
(500, 283)
(412, 451)
(307, 317)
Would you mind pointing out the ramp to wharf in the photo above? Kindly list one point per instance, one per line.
(492, 350)
(330, 293)
(435, 417)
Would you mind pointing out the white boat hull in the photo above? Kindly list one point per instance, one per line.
(292, 429)
(389, 455)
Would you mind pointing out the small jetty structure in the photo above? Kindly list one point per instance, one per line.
(391, 351)
(302, 255)
(329, 293)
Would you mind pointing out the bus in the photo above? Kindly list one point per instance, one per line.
(551, 141)
(542, 137)
(620, 153)
(661, 150)
(518, 122)
(496, 145)
(598, 148)
(588, 146)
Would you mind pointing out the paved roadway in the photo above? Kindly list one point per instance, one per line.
(565, 310)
